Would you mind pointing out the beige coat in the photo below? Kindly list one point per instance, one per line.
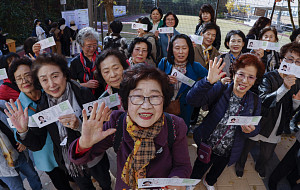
(199, 56)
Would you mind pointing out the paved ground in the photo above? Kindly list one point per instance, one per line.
(228, 179)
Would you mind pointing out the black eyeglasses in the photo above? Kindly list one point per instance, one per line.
(153, 100)
(290, 60)
(26, 78)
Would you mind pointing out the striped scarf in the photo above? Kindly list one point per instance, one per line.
(206, 53)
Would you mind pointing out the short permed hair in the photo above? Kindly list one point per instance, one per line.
(207, 8)
(175, 17)
(231, 33)
(142, 71)
(14, 67)
(86, 33)
(267, 29)
(104, 54)
(137, 41)
(293, 47)
(248, 59)
(49, 59)
(210, 26)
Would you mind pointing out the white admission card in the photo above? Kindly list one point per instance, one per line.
(138, 26)
(166, 30)
(48, 42)
(243, 120)
(52, 114)
(162, 182)
(259, 44)
(182, 78)
(3, 74)
(289, 69)
(110, 101)
(31, 123)
(197, 39)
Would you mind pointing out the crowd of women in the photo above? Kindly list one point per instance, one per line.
(148, 130)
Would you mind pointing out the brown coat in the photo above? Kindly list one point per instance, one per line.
(199, 56)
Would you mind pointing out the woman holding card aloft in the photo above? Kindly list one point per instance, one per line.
(181, 58)
(155, 51)
(20, 73)
(253, 33)
(269, 57)
(50, 71)
(144, 135)
(226, 142)
(170, 20)
(280, 99)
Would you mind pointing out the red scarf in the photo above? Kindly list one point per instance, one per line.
(88, 72)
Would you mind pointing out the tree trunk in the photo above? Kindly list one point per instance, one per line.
(108, 5)
(290, 12)
(90, 8)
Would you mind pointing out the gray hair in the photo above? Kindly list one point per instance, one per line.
(86, 33)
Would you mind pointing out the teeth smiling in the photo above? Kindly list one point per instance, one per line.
(145, 115)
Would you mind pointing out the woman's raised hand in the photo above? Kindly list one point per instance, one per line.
(18, 117)
(215, 70)
(92, 128)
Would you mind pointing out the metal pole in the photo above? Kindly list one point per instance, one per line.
(273, 9)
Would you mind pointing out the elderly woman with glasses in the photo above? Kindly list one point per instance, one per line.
(223, 101)
(170, 20)
(83, 66)
(139, 51)
(50, 72)
(149, 143)
(280, 95)
(20, 73)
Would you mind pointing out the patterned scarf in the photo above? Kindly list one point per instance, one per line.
(143, 151)
(88, 72)
(206, 53)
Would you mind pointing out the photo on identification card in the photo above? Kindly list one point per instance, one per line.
(252, 44)
(285, 68)
(166, 30)
(139, 26)
(243, 120)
